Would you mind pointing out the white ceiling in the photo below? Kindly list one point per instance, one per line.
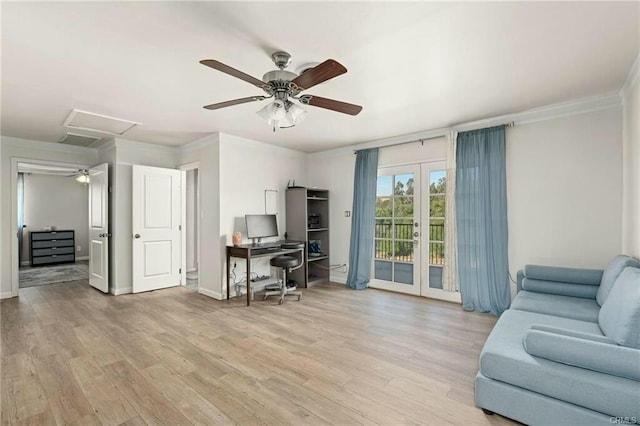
(413, 66)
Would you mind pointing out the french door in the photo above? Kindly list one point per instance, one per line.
(409, 247)
(396, 263)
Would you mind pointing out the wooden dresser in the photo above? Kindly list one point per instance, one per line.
(50, 247)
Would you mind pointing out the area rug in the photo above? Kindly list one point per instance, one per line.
(30, 277)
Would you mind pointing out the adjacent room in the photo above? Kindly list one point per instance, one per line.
(311, 213)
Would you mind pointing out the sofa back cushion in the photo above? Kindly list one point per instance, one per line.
(612, 271)
(619, 317)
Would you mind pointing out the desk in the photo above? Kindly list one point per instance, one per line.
(251, 251)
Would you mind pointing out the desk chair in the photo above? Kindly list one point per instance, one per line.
(287, 263)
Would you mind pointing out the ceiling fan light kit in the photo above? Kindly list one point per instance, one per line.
(285, 86)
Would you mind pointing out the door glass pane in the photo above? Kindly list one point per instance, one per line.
(403, 251)
(437, 212)
(403, 207)
(436, 206)
(384, 207)
(383, 228)
(403, 229)
(403, 273)
(385, 183)
(404, 184)
(383, 270)
(384, 249)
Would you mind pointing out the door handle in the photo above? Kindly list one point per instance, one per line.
(104, 235)
(416, 234)
(136, 236)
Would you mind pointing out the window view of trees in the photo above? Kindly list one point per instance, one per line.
(394, 218)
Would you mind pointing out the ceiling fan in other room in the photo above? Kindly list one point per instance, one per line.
(284, 87)
(81, 175)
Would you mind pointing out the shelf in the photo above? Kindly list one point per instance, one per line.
(317, 229)
(318, 198)
(313, 259)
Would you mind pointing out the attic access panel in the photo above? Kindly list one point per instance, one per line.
(99, 123)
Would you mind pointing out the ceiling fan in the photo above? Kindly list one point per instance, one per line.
(285, 86)
(81, 175)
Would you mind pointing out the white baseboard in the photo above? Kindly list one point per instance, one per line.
(336, 279)
(210, 293)
(7, 295)
(82, 257)
(124, 290)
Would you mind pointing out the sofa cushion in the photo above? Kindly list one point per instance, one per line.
(560, 288)
(612, 271)
(564, 275)
(504, 358)
(619, 317)
(577, 308)
(607, 358)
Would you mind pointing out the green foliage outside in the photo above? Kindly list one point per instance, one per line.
(402, 216)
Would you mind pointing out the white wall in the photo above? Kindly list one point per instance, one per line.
(564, 189)
(247, 169)
(58, 201)
(333, 170)
(29, 150)
(631, 165)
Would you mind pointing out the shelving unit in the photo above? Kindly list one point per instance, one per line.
(301, 203)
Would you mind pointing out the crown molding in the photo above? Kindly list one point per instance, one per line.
(45, 146)
(632, 78)
(144, 146)
(206, 141)
(549, 112)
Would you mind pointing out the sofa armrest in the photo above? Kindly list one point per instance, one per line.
(564, 275)
(588, 354)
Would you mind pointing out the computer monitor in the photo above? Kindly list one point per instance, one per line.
(261, 225)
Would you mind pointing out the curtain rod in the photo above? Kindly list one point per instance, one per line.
(423, 140)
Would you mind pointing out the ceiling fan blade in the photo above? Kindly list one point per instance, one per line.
(216, 65)
(316, 75)
(331, 104)
(235, 102)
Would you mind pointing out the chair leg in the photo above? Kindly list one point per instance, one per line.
(283, 289)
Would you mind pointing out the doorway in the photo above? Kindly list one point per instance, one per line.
(409, 247)
(191, 221)
(192, 228)
(51, 220)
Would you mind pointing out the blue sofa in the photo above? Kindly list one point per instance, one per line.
(568, 350)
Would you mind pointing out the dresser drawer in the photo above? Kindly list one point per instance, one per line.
(54, 258)
(53, 235)
(52, 250)
(51, 243)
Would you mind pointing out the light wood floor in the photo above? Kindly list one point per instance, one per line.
(71, 355)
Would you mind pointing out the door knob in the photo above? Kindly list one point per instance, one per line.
(415, 234)
(137, 236)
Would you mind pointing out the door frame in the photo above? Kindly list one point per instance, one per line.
(14, 209)
(413, 289)
(185, 168)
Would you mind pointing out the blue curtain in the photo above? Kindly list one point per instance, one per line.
(363, 219)
(481, 219)
(20, 200)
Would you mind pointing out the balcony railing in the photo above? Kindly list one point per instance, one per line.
(402, 249)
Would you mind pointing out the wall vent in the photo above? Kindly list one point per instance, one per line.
(78, 140)
(99, 123)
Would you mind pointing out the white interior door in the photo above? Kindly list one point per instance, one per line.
(99, 227)
(157, 243)
(396, 260)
